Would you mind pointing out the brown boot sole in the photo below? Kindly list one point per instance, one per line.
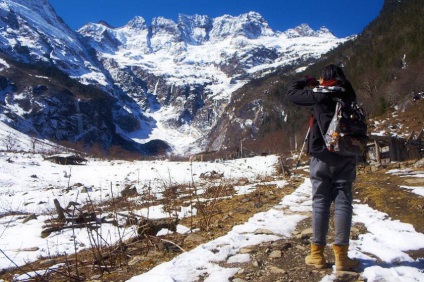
(318, 266)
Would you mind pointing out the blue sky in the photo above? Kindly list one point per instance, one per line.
(342, 17)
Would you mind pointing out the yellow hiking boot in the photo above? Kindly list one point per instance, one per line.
(316, 258)
(343, 262)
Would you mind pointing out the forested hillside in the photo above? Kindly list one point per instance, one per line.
(384, 64)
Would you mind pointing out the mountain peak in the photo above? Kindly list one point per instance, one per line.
(250, 25)
(137, 23)
(324, 31)
(194, 29)
(252, 15)
(106, 24)
(304, 30)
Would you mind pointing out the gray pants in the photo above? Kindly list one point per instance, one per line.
(332, 176)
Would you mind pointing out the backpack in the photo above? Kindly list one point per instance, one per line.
(347, 132)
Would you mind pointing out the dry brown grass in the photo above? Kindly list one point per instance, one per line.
(382, 192)
(229, 210)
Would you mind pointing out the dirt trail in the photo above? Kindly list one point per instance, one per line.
(283, 260)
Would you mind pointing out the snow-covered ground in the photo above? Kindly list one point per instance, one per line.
(29, 184)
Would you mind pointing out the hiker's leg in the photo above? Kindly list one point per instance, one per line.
(321, 200)
(344, 175)
(342, 193)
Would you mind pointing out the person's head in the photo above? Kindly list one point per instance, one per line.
(333, 75)
(332, 72)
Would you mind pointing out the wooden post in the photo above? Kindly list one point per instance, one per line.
(377, 152)
(394, 149)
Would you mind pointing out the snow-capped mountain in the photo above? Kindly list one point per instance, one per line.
(31, 32)
(170, 81)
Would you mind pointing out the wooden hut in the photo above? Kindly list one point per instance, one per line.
(384, 149)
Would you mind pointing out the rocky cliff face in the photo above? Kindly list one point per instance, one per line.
(168, 81)
(43, 110)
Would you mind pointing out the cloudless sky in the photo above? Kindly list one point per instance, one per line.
(342, 17)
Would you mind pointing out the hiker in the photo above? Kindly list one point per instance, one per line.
(331, 174)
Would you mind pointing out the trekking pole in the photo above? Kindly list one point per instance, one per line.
(303, 146)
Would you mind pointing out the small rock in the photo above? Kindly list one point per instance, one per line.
(245, 251)
(300, 247)
(238, 280)
(305, 234)
(275, 254)
(276, 270)
(263, 231)
(307, 231)
(299, 236)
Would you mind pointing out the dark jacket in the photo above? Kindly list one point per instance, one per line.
(323, 106)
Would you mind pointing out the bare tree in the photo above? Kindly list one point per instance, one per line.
(370, 87)
(34, 141)
(9, 141)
